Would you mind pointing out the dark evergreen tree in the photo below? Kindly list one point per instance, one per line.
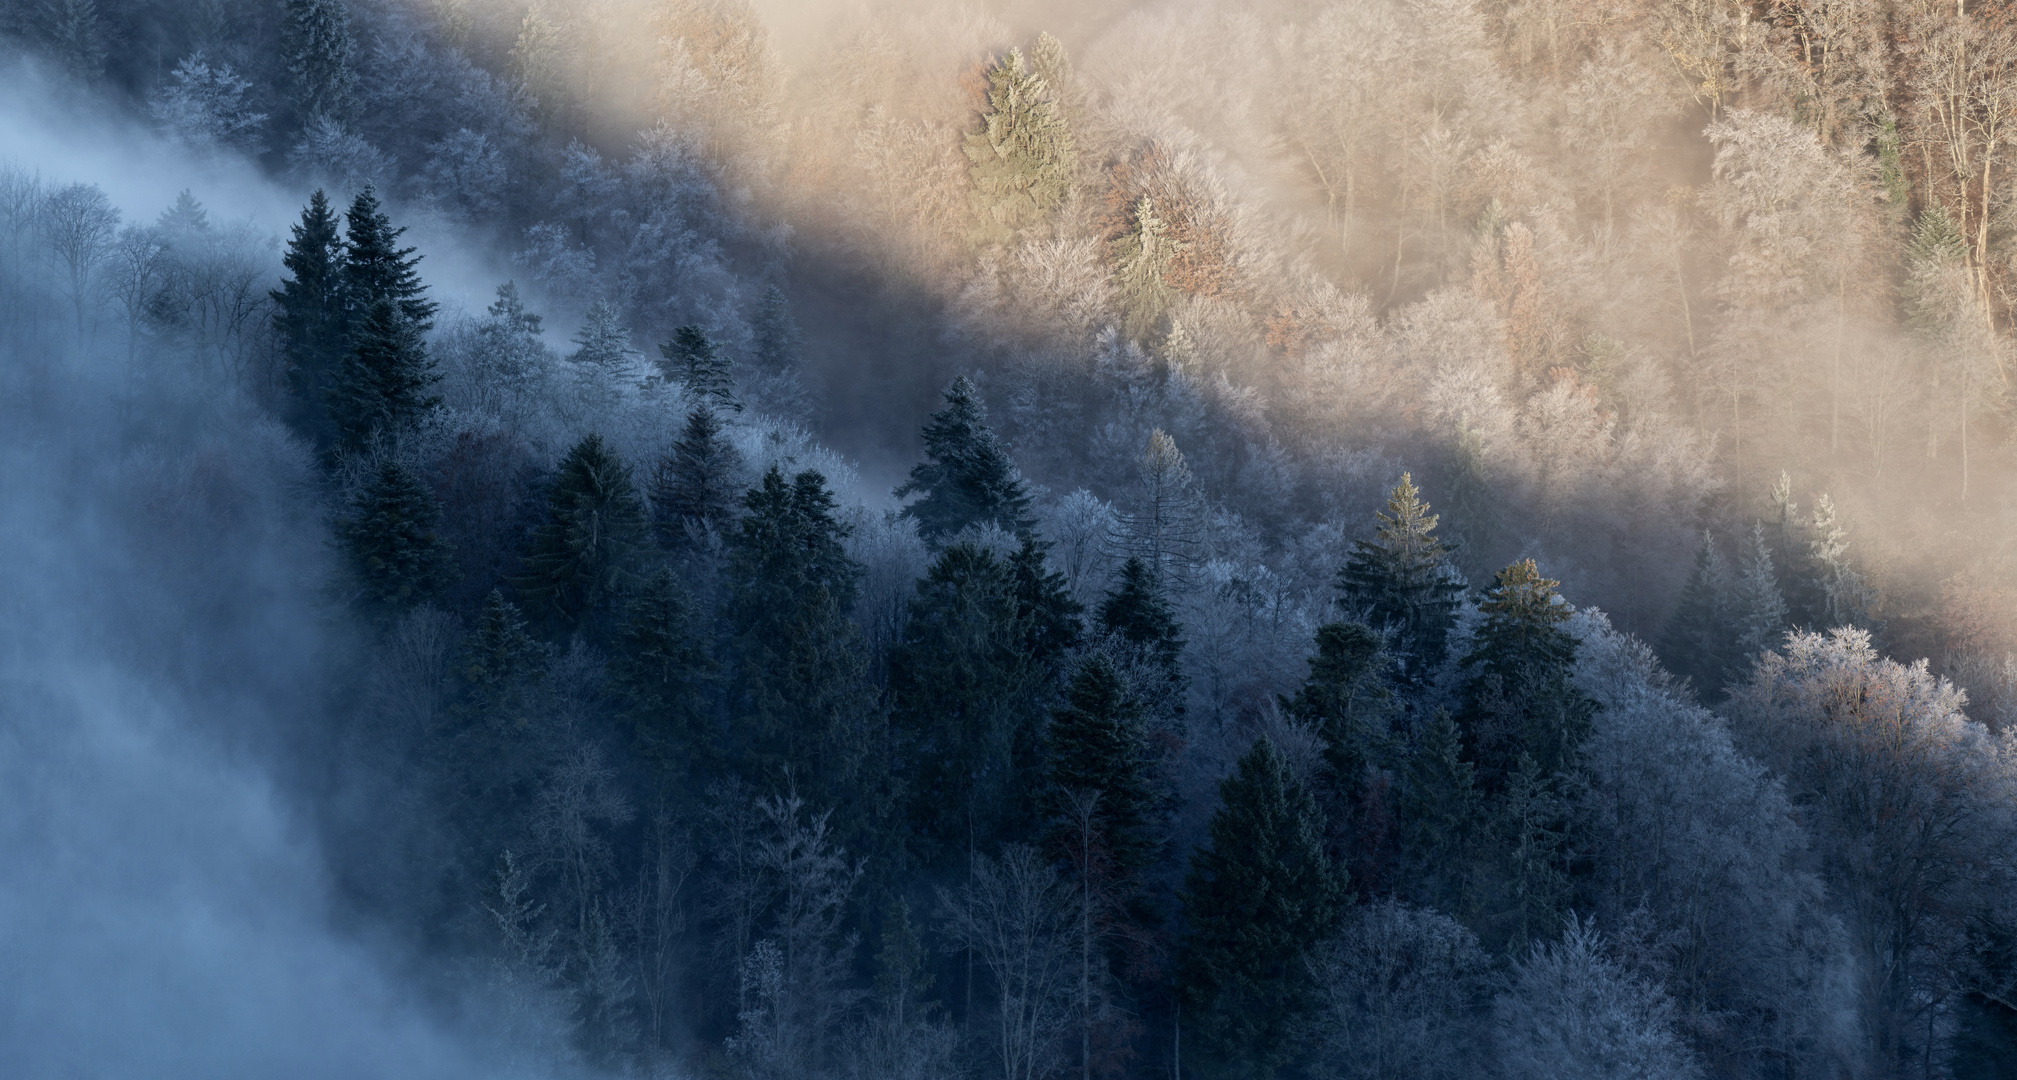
(1137, 612)
(775, 338)
(966, 694)
(1757, 618)
(1050, 615)
(376, 268)
(1526, 830)
(317, 51)
(380, 387)
(75, 35)
(488, 758)
(585, 550)
(392, 536)
(966, 477)
(1346, 698)
(1259, 896)
(1099, 743)
(661, 670)
(1403, 583)
(1518, 698)
(1696, 643)
(309, 314)
(501, 664)
(693, 487)
(1792, 558)
(696, 363)
(801, 694)
(1440, 810)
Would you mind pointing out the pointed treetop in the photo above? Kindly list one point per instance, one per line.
(966, 478)
(694, 362)
(376, 267)
(1402, 581)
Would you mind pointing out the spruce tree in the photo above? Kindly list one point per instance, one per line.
(693, 487)
(1519, 698)
(376, 268)
(1758, 612)
(966, 477)
(392, 535)
(1258, 898)
(1142, 258)
(309, 314)
(775, 354)
(1798, 578)
(1050, 616)
(317, 51)
(1845, 598)
(966, 692)
(1137, 613)
(1403, 583)
(603, 343)
(1098, 741)
(1440, 810)
(76, 36)
(696, 363)
(1346, 699)
(584, 550)
(1527, 827)
(1022, 156)
(1696, 642)
(380, 387)
(660, 668)
(500, 665)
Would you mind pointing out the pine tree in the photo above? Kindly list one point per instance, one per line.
(392, 535)
(1044, 604)
(965, 689)
(1757, 610)
(1696, 642)
(603, 343)
(1403, 583)
(1527, 828)
(376, 268)
(380, 387)
(1098, 742)
(693, 487)
(500, 665)
(694, 362)
(583, 553)
(966, 477)
(317, 50)
(309, 314)
(1259, 896)
(660, 668)
(1519, 698)
(1142, 257)
(1022, 156)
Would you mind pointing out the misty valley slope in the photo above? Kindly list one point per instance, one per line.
(1396, 538)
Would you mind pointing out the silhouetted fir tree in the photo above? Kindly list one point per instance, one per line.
(1051, 617)
(1440, 809)
(965, 689)
(1527, 829)
(380, 387)
(775, 338)
(584, 551)
(500, 663)
(1098, 741)
(661, 670)
(693, 487)
(1518, 698)
(966, 477)
(801, 696)
(310, 314)
(1697, 639)
(696, 363)
(1258, 898)
(1346, 699)
(1022, 156)
(488, 760)
(392, 535)
(316, 50)
(1758, 611)
(1403, 583)
(376, 268)
(1137, 611)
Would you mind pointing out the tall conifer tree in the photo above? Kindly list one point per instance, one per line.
(966, 477)
(380, 387)
(584, 550)
(1519, 698)
(696, 363)
(1099, 742)
(1403, 582)
(376, 268)
(392, 535)
(309, 313)
(693, 487)
(660, 667)
(317, 50)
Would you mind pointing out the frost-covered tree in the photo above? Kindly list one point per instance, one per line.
(1166, 513)
(1398, 993)
(696, 363)
(78, 224)
(1402, 582)
(1022, 156)
(693, 488)
(1018, 915)
(317, 52)
(206, 106)
(1572, 1010)
(1757, 615)
(1141, 259)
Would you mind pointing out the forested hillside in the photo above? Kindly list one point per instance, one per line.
(735, 539)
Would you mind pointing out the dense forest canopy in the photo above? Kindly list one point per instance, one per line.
(743, 539)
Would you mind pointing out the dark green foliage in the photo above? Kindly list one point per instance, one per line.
(376, 268)
(965, 686)
(380, 387)
(801, 690)
(310, 314)
(1022, 156)
(1527, 836)
(1518, 698)
(1792, 558)
(1403, 584)
(584, 551)
(392, 536)
(1697, 640)
(1050, 615)
(1257, 899)
(661, 671)
(316, 47)
(696, 363)
(775, 337)
(693, 488)
(1440, 811)
(966, 477)
(500, 662)
(1099, 743)
(1346, 696)
(1137, 612)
